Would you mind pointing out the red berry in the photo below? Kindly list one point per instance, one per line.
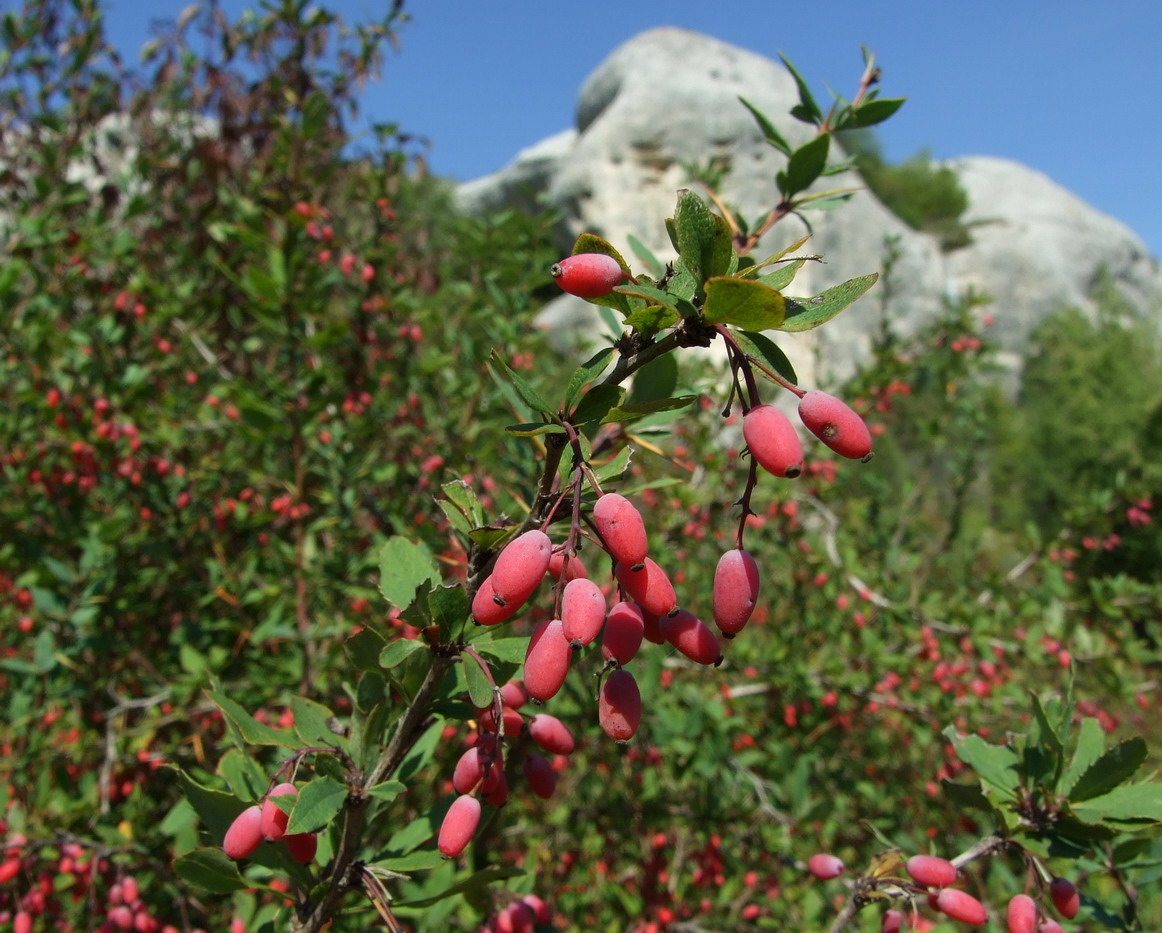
(582, 611)
(624, 630)
(459, 825)
(892, 922)
(824, 866)
(302, 846)
(540, 909)
(540, 775)
(244, 834)
(653, 627)
(274, 820)
(736, 589)
(619, 707)
(1065, 897)
(1050, 926)
(557, 566)
(469, 771)
(773, 441)
(9, 869)
(520, 567)
(621, 528)
(649, 587)
(931, 871)
(688, 634)
(961, 906)
(546, 660)
(22, 922)
(513, 695)
(551, 734)
(836, 424)
(486, 610)
(588, 275)
(1022, 914)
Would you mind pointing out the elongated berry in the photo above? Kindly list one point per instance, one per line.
(540, 775)
(619, 707)
(551, 734)
(621, 528)
(459, 825)
(653, 627)
(520, 567)
(836, 424)
(588, 275)
(274, 820)
(962, 906)
(571, 568)
(931, 871)
(773, 441)
(624, 630)
(1050, 926)
(1022, 914)
(686, 632)
(494, 790)
(302, 846)
(824, 866)
(1065, 897)
(513, 694)
(486, 610)
(476, 768)
(582, 611)
(649, 587)
(892, 922)
(546, 660)
(736, 590)
(244, 834)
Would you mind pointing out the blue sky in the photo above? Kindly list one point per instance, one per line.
(1067, 87)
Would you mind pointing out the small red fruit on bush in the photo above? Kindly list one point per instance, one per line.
(931, 871)
(540, 775)
(582, 611)
(624, 630)
(274, 820)
(686, 632)
(302, 846)
(836, 424)
(588, 275)
(520, 567)
(824, 866)
(649, 587)
(736, 590)
(551, 734)
(1065, 897)
(1022, 914)
(459, 825)
(961, 906)
(773, 441)
(619, 708)
(486, 610)
(546, 660)
(244, 834)
(892, 922)
(621, 527)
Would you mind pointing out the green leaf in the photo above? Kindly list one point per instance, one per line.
(805, 165)
(649, 321)
(765, 350)
(874, 111)
(772, 135)
(398, 651)
(211, 870)
(783, 276)
(657, 379)
(528, 394)
(615, 467)
(585, 374)
(216, 809)
(422, 751)
(251, 731)
(387, 791)
(423, 860)
(996, 765)
(364, 649)
(596, 403)
(404, 566)
(243, 775)
(655, 296)
(316, 804)
(704, 240)
(743, 303)
(449, 606)
(804, 314)
(1046, 735)
(477, 882)
(1129, 802)
(463, 497)
(503, 650)
(313, 723)
(1090, 742)
(532, 429)
(633, 410)
(479, 686)
(808, 111)
(1113, 768)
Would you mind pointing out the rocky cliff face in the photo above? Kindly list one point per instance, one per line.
(669, 97)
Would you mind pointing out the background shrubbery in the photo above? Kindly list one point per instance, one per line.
(237, 358)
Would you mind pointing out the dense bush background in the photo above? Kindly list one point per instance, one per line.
(237, 357)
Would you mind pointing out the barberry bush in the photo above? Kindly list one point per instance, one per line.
(330, 596)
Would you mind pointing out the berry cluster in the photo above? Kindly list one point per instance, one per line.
(267, 822)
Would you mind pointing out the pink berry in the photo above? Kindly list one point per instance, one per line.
(736, 590)
(540, 775)
(551, 734)
(540, 909)
(459, 825)
(892, 922)
(621, 528)
(244, 834)
(649, 587)
(619, 707)
(469, 771)
(572, 569)
(546, 660)
(22, 922)
(582, 611)
(513, 695)
(959, 905)
(652, 627)
(520, 567)
(302, 846)
(773, 441)
(1065, 897)
(688, 634)
(931, 871)
(1022, 914)
(836, 424)
(588, 275)
(1050, 926)
(623, 634)
(486, 610)
(274, 820)
(824, 866)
